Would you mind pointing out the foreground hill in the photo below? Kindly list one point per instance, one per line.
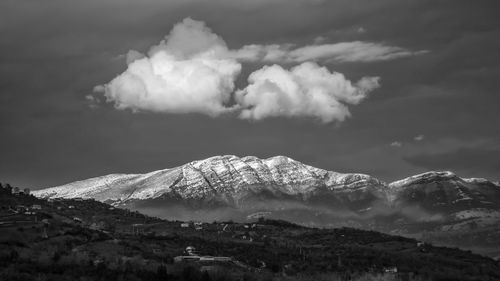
(435, 206)
(88, 240)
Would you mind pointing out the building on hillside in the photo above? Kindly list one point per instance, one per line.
(15, 190)
(36, 207)
(203, 259)
(26, 191)
(184, 224)
(390, 269)
(186, 258)
(191, 255)
(191, 251)
(138, 228)
(222, 259)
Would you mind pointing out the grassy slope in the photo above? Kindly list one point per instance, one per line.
(276, 246)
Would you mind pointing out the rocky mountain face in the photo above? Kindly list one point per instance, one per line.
(435, 206)
(461, 212)
(446, 192)
(223, 181)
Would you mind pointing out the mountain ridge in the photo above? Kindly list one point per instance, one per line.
(436, 206)
(229, 173)
(218, 173)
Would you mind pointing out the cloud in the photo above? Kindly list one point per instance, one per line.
(193, 71)
(396, 144)
(92, 101)
(187, 72)
(319, 39)
(305, 90)
(419, 138)
(356, 51)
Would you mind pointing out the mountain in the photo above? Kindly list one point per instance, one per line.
(228, 178)
(428, 205)
(230, 181)
(462, 212)
(446, 192)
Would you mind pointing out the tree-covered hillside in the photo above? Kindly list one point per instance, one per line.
(87, 240)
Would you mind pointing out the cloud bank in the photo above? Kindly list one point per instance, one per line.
(193, 71)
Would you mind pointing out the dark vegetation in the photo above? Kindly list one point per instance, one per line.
(88, 240)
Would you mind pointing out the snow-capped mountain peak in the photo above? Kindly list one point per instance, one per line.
(226, 175)
(229, 187)
(280, 182)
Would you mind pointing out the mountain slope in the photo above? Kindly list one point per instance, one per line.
(93, 241)
(461, 212)
(225, 179)
(437, 205)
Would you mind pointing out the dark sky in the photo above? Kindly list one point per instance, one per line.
(53, 53)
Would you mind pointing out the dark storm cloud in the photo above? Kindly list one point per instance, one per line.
(52, 54)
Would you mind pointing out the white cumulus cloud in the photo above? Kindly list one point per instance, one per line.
(305, 90)
(187, 72)
(193, 71)
(396, 144)
(419, 138)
